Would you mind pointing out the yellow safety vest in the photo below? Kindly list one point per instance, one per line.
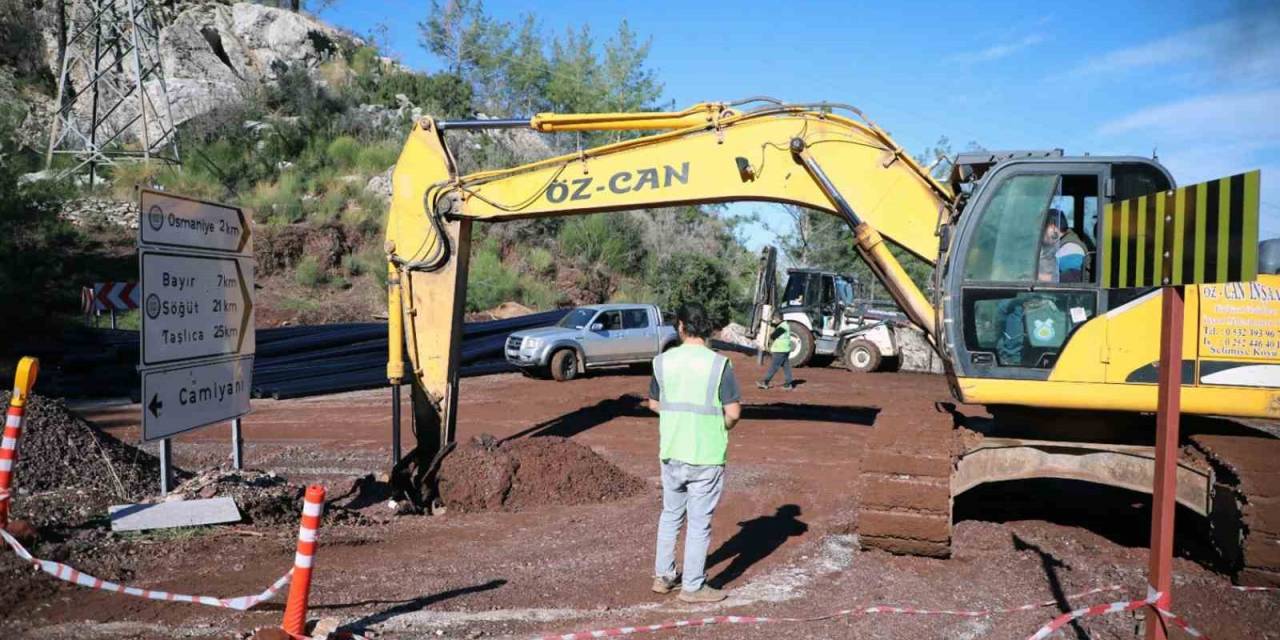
(782, 344)
(691, 416)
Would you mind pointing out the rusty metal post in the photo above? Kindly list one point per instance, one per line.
(1168, 407)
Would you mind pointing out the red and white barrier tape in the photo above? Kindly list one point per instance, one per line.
(1152, 598)
(68, 574)
(702, 622)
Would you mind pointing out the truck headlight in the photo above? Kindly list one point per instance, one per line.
(531, 343)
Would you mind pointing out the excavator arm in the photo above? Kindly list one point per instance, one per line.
(710, 153)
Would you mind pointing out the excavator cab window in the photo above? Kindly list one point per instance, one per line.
(1028, 275)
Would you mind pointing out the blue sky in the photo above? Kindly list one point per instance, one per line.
(1198, 83)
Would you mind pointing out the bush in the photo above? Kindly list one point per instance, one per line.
(278, 202)
(692, 277)
(612, 241)
(632, 291)
(327, 207)
(343, 151)
(490, 283)
(309, 273)
(538, 295)
(440, 94)
(353, 265)
(365, 62)
(378, 157)
(540, 261)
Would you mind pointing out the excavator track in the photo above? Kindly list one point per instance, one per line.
(906, 484)
(1246, 505)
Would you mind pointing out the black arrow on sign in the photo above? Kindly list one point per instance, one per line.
(155, 406)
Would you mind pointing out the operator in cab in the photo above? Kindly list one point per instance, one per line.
(698, 402)
(1062, 258)
(1062, 252)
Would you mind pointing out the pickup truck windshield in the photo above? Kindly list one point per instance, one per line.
(577, 319)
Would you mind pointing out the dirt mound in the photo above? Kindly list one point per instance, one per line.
(268, 500)
(486, 474)
(503, 311)
(69, 472)
(263, 498)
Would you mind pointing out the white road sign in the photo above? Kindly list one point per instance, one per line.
(183, 398)
(195, 307)
(167, 220)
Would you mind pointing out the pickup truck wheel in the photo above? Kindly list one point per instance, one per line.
(861, 356)
(564, 365)
(801, 344)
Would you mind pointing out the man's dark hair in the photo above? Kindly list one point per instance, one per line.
(695, 320)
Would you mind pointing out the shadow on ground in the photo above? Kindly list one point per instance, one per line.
(632, 406)
(402, 607)
(1119, 515)
(755, 540)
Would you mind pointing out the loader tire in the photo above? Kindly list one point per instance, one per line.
(801, 344)
(861, 356)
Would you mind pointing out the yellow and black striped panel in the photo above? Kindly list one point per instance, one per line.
(1198, 234)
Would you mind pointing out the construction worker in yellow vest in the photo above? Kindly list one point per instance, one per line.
(697, 399)
(780, 351)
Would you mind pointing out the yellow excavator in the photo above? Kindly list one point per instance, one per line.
(1063, 370)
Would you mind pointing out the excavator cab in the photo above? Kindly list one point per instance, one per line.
(1022, 274)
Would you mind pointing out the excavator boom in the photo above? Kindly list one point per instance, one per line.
(708, 153)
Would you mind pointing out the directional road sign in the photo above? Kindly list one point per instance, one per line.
(114, 296)
(182, 398)
(174, 221)
(195, 307)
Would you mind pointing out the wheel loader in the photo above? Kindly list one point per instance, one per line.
(827, 321)
(1053, 377)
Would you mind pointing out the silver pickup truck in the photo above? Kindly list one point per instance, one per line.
(596, 336)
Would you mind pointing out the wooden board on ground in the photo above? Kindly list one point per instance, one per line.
(167, 515)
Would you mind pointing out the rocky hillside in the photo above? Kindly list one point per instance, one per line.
(302, 122)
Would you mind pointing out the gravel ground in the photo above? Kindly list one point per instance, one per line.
(783, 541)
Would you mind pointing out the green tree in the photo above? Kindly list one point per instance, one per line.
(692, 277)
(575, 83)
(527, 71)
(472, 44)
(628, 84)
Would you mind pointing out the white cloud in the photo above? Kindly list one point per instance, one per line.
(1212, 136)
(1240, 49)
(1252, 116)
(1181, 47)
(995, 52)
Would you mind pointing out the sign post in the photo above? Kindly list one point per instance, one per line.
(1165, 483)
(195, 262)
(237, 446)
(1201, 234)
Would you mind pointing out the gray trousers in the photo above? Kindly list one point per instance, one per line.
(781, 360)
(692, 491)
